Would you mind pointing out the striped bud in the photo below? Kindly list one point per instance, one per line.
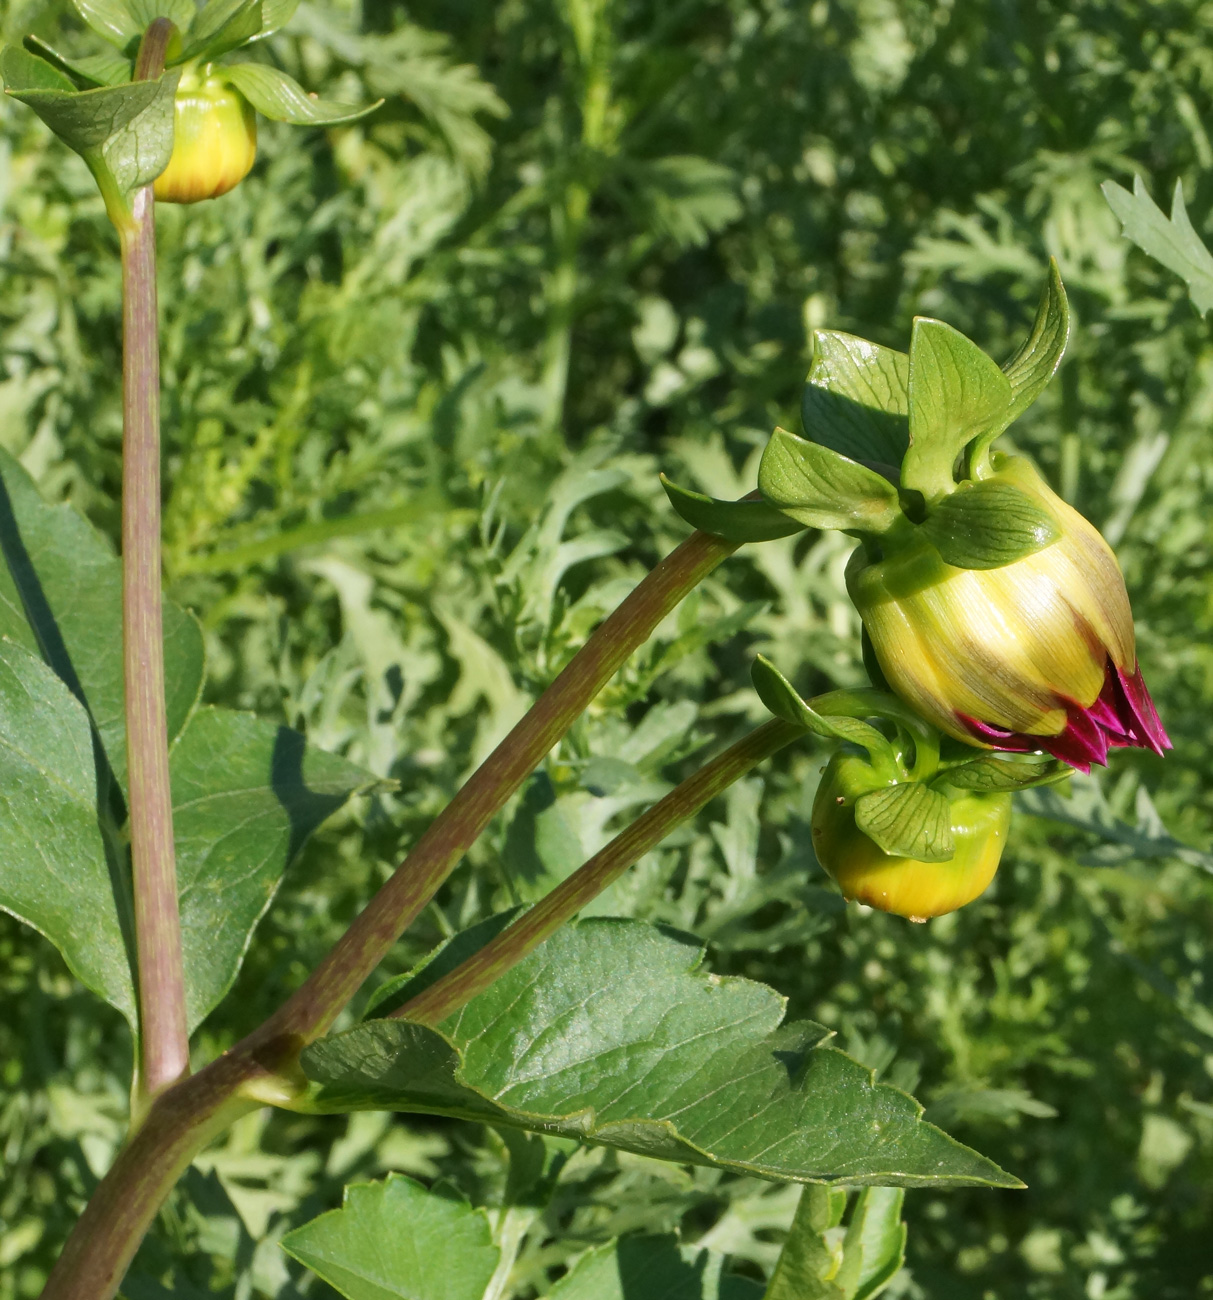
(214, 141)
(1035, 654)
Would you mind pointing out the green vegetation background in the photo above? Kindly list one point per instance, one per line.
(420, 377)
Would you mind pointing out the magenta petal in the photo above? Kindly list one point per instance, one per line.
(1138, 706)
(1080, 744)
(1012, 741)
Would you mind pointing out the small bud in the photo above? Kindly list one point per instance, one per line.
(906, 886)
(214, 141)
(1035, 654)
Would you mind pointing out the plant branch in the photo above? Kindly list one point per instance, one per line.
(508, 948)
(331, 985)
(163, 1036)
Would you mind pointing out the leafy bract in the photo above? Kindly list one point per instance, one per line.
(1030, 369)
(1174, 243)
(987, 524)
(282, 99)
(652, 1268)
(55, 874)
(908, 821)
(395, 1240)
(611, 1033)
(246, 795)
(736, 521)
(856, 398)
(61, 595)
(821, 488)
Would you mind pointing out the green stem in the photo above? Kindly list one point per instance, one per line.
(508, 948)
(163, 1037)
(364, 945)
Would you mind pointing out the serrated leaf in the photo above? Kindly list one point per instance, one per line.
(54, 871)
(856, 398)
(652, 1268)
(395, 1240)
(821, 488)
(784, 701)
(282, 99)
(610, 1033)
(1034, 365)
(110, 69)
(907, 821)
(221, 26)
(110, 19)
(993, 774)
(956, 393)
(987, 524)
(874, 1248)
(1174, 243)
(737, 521)
(806, 1264)
(247, 794)
(61, 596)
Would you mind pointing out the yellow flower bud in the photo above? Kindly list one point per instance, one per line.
(214, 141)
(905, 886)
(1035, 654)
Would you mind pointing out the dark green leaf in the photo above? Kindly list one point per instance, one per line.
(61, 595)
(1174, 243)
(907, 821)
(110, 69)
(806, 1263)
(778, 694)
(737, 521)
(856, 398)
(652, 1268)
(1034, 365)
(992, 773)
(957, 393)
(988, 524)
(282, 99)
(110, 19)
(54, 871)
(822, 489)
(246, 796)
(615, 1036)
(23, 71)
(395, 1240)
(223, 25)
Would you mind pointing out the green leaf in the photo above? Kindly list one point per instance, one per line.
(987, 524)
(275, 14)
(652, 1268)
(874, 1248)
(1034, 365)
(246, 796)
(395, 1240)
(96, 69)
(957, 393)
(823, 489)
(54, 871)
(145, 12)
(110, 19)
(736, 521)
(1174, 243)
(610, 1033)
(23, 71)
(990, 773)
(908, 821)
(282, 99)
(223, 25)
(806, 1263)
(856, 398)
(61, 596)
(784, 701)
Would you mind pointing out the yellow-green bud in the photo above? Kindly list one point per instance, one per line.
(905, 886)
(214, 141)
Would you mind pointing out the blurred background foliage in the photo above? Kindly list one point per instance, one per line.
(420, 376)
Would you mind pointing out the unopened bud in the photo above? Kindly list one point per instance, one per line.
(214, 141)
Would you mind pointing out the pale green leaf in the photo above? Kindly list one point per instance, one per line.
(874, 1248)
(395, 1240)
(856, 398)
(806, 1263)
(995, 773)
(110, 19)
(108, 69)
(145, 12)
(907, 821)
(614, 1035)
(821, 488)
(223, 25)
(1174, 243)
(652, 1268)
(987, 524)
(282, 99)
(1034, 365)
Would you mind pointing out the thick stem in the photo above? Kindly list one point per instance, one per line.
(338, 977)
(508, 948)
(164, 1041)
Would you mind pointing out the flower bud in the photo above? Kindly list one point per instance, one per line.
(1035, 654)
(905, 886)
(214, 141)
